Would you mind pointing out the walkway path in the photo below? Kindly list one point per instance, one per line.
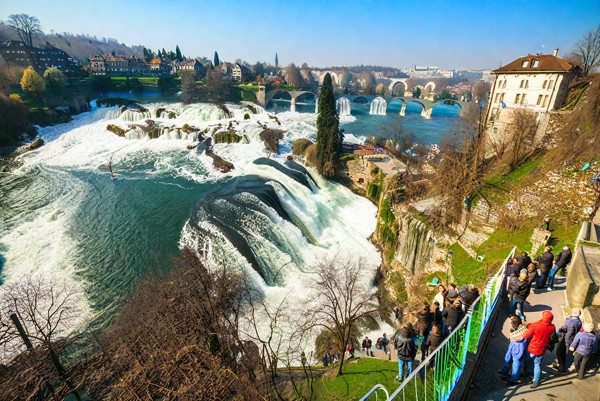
(488, 384)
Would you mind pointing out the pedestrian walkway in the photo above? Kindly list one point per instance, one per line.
(488, 384)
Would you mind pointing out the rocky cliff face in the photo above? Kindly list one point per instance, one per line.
(416, 244)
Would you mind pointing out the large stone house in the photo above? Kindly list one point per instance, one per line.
(236, 71)
(16, 53)
(123, 66)
(537, 82)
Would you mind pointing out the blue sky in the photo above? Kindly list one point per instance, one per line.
(450, 34)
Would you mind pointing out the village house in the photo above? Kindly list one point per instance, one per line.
(536, 82)
(122, 66)
(16, 53)
(190, 65)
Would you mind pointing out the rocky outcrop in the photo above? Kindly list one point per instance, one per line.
(226, 137)
(116, 130)
(36, 144)
(219, 163)
(416, 244)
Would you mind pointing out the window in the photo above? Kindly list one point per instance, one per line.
(504, 84)
(525, 64)
(535, 63)
(517, 98)
(550, 84)
(544, 84)
(523, 98)
(545, 101)
(522, 84)
(502, 97)
(497, 97)
(539, 101)
(527, 84)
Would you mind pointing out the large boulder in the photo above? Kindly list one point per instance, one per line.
(219, 163)
(226, 137)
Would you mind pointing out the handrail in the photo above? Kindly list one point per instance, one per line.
(374, 389)
(450, 358)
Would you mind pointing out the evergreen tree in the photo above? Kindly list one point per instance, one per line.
(329, 136)
(216, 60)
(164, 53)
(31, 82)
(178, 53)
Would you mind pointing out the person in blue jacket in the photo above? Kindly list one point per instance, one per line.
(515, 353)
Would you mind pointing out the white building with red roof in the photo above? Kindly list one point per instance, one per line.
(537, 82)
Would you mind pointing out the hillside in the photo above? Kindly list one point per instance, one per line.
(79, 46)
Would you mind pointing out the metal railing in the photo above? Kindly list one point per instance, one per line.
(437, 375)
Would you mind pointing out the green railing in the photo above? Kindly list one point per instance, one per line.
(436, 377)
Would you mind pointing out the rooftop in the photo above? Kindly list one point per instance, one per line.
(536, 63)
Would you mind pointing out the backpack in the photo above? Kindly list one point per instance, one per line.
(553, 341)
(407, 349)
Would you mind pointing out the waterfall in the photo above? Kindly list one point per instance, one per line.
(316, 105)
(417, 245)
(293, 107)
(378, 106)
(343, 106)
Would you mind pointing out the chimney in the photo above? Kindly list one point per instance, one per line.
(556, 52)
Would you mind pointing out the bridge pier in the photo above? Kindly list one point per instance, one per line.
(426, 113)
(403, 110)
(293, 104)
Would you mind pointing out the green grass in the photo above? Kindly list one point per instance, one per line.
(501, 178)
(466, 270)
(143, 80)
(360, 375)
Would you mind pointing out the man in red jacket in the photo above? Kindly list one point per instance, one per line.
(539, 334)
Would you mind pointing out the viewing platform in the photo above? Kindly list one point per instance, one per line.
(488, 385)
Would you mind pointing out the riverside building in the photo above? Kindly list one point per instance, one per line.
(537, 82)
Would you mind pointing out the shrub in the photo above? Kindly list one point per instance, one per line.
(300, 146)
(311, 154)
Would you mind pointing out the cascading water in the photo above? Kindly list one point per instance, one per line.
(378, 106)
(268, 217)
(316, 105)
(343, 106)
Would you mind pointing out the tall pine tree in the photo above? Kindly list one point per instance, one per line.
(178, 53)
(329, 136)
(216, 60)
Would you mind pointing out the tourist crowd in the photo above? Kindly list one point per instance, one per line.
(575, 341)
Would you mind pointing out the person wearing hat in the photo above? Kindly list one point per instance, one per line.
(561, 262)
(582, 347)
(539, 333)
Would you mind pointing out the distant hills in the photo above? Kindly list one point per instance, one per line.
(79, 46)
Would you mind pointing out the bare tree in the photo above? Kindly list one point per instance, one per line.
(26, 26)
(345, 302)
(522, 130)
(587, 50)
(482, 90)
(35, 312)
(459, 175)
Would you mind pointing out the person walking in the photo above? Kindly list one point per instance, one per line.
(407, 351)
(440, 297)
(539, 334)
(583, 345)
(546, 261)
(569, 329)
(385, 346)
(562, 260)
